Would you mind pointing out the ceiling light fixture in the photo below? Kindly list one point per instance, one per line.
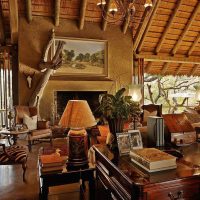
(116, 10)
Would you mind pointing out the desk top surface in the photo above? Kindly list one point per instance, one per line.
(187, 167)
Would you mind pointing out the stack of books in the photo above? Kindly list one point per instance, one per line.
(52, 162)
(152, 159)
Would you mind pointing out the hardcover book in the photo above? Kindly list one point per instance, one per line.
(152, 159)
(51, 160)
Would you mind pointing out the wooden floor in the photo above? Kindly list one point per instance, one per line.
(12, 186)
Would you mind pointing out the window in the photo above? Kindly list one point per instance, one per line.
(175, 93)
(6, 100)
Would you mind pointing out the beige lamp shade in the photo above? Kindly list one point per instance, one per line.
(77, 114)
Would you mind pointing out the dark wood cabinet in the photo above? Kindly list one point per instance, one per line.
(118, 178)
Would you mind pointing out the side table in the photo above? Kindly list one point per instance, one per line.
(66, 176)
(13, 135)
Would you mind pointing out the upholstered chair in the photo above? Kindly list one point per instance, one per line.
(14, 155)
(150, 110)
(38, 130)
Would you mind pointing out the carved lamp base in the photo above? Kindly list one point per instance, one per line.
(78, 148)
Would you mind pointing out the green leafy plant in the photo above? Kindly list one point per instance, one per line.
(116, 106)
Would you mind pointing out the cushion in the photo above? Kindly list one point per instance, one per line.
(104, 130)
(42, 124)
(40, 132)
(31, 122)
(15, 154)
(148, 114)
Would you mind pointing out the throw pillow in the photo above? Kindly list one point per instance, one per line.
(31, 122)
(148, 114)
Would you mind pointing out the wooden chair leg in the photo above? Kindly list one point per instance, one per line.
(24, 171)
(29, 145)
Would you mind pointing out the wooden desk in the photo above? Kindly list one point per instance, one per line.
(67, 176)
(119, 178)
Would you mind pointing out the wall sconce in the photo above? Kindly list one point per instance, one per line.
(135, 92)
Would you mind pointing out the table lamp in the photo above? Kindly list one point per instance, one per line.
(77, 116)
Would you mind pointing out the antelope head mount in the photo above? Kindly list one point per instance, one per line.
(29, 79)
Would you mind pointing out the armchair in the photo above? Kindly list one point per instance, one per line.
(14, 155)
(38, 131)
(150, 110)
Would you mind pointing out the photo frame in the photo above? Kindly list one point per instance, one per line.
(83, 57)
(135, 139)
(123, 141)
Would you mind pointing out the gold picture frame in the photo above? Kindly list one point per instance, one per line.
(83, 57)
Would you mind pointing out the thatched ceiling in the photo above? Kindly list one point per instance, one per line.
(168, 37)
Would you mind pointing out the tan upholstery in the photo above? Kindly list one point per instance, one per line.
(43, 130)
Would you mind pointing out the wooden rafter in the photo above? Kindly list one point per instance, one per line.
(126, 23)
(57, 12)
(82, 14)
(2, 33)
(13, 7)
(164, 69)
(104, 23)
(150, 21)
(179, 69)
(193, 45)
(29, 11)
(194, 69)
(142, 27)
(192, 18)
(167, 58)
(168, 26)
(148, 67)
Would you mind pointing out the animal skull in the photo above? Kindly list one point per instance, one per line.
(29, 79)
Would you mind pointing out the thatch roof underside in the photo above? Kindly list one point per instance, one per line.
(168, 37)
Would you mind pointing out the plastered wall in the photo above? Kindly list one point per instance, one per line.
(34, 36)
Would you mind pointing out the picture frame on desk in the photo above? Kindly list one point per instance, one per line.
(135, 139)
(123, 142)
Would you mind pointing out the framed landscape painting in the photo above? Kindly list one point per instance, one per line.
(83, 57)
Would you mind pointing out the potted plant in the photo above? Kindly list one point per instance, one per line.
(116, 109)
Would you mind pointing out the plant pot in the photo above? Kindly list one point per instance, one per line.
(115, 126)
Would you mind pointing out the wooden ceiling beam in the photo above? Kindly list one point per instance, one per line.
(57, 12)
(13, 7)
(167, 58)
(142, 26)
(193, 45)
(179, 69)
(165, 67)
(194, 69)
(29, 11)
(148, 67)
(126, 23)
(104, 23)
(168, 26)
(2, 30)
(150, 21)
(82, 14)
(191, 19)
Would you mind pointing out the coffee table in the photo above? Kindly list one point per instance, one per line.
(67, 176)
(13, 135)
